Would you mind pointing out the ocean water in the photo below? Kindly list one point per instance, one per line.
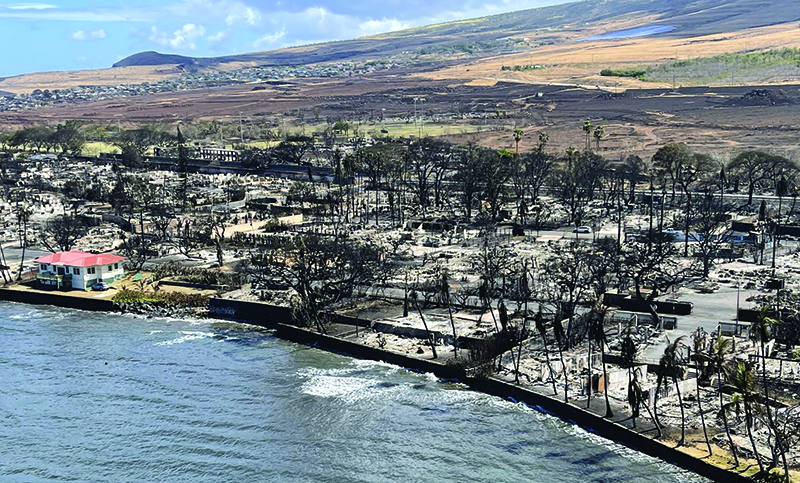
(87, 397)
(632, 33)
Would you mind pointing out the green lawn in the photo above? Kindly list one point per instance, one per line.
(93, 148)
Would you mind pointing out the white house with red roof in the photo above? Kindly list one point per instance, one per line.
(77, 269)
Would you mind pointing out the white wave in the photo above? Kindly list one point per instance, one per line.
(348, 389)
(23, 316)
(367, 364)
(309, 372)
(187, 336)
(344, 384)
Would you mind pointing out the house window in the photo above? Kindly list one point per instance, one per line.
(90, 270)
(43, 267)
(76, 271)
(110, 268)
(116, 266)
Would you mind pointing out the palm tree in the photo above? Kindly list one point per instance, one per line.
(599, 133)
(589, 362)
(415, 297)
(636, 399)
(558, 332)
(588, 128)
(718, 352)
(444, 297)
(761, 332)
(572, 153)
(544, 138)
(539, 321)
(518, 133)
(671, 365)
(597, 334)
(741, 375)
(502, 312)
(699, 402)
(23, 217)
(522, 293)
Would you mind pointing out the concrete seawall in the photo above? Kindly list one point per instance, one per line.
(270, 316)
(57, 299)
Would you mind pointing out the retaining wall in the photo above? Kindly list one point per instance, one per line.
(60, 300)
(267, 315)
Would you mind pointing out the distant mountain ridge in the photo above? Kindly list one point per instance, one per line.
(689, 17)
(154, 58)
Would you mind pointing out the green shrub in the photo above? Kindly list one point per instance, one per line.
(634, 72)
(170, 298)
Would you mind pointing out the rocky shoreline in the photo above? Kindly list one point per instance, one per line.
(160, 309)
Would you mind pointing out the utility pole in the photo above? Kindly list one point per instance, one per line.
(422, 117)
(241, 128)
(415, 111)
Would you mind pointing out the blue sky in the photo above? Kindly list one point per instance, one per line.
(89, 34)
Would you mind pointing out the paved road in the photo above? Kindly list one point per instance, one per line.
(14, 254)
(708, 311)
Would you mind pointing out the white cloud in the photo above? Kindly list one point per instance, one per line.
(30, 6)
(93, 35)
(372, 27)
(182, 38)
(219, 36)
(123, 14)
(269, 39)
(325, 25)
(240, 13)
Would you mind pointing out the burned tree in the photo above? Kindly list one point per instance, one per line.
(61, 233)
(138, 249)
(426, 162)
(568, 283)
(324, 271)
(528, 175)
(711, 230)
(652, 268)
(578, 180)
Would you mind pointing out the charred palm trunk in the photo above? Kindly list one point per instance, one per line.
(659, 380)
(558, 330)
(427, 332)
(543, 333)
(609, 412)
(634, 410)
(653, 418)
(700, 407)
(22, 257)
(589, 385)
(725, 417)
(778, 448)
(453, 326)
(520, 339)
(683, 416)
(749, 424)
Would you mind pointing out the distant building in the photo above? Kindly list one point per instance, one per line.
(78, 270)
